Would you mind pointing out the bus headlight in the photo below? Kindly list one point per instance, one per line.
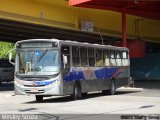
(18, 85)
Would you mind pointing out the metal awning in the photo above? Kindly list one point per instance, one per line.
(143, 8)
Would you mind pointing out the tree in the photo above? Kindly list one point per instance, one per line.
(5, 47)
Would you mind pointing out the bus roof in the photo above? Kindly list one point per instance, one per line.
(75, 43)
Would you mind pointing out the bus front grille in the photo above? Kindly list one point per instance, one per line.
(34, 92)
(34, 85)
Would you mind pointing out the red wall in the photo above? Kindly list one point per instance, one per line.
(136, 48)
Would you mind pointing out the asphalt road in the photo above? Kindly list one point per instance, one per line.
(130, 101)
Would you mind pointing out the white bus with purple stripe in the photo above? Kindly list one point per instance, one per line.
(46, 67)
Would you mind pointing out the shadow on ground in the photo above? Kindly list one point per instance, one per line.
(65, 99)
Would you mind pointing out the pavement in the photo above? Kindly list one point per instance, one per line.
(127, 101)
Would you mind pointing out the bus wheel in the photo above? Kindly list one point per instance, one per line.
(84, 94)
(112, 88)
(77, 94)
(104, 92)
(39, 98)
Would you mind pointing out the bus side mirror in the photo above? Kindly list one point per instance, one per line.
(65, 61)
(10, 57)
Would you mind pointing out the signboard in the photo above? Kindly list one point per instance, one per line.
(87, 26)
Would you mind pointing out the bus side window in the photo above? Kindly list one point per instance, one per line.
(65, 50)
(84, 56)
(112, 58)
(118, 58)
(125, 61)
(99, 60)
(91, 57)
(106, 57)
(75, 56)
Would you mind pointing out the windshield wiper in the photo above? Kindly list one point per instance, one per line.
(42, 55)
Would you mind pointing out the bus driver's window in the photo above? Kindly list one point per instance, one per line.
(65, 50)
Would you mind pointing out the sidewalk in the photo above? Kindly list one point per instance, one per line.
(6, 94)
(134, 89)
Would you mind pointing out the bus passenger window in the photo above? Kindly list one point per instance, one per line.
(125, 61)
(84, 56)
(91, 57)
(118, 58)
(112, 58)
(99, 60)
(106, 58)
(75, 56)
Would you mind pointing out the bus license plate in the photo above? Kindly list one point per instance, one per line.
(34, 90)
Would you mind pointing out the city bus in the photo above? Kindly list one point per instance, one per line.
(52, 67)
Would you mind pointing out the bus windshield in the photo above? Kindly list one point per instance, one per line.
(38, 62)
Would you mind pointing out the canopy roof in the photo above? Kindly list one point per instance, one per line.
(143, 8)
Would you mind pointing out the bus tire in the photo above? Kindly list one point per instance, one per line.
(39, 98)
(77, 93)
(104, 92)
(84, 94)
(112, 89)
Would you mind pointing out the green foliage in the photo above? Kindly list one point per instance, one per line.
(5, 47)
